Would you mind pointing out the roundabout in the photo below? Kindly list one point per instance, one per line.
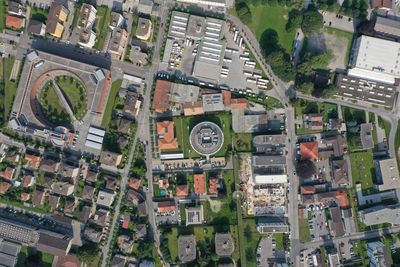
(206, 138)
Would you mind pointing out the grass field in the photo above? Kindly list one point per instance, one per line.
(362, 169)
(51, 106)
(305, 235)
(183, 126)
(75, 94)
(272, 17)
(102, 21)
(111, 103)
(242, 142)
(39, 14)
(279, 241)
(250, 241)
(2, 15)
(11, 86)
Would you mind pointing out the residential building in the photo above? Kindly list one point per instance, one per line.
(193, 108)
(272, 224)
(166, 206)
(110, 158)
(144, 29)
(32, 161)
(309, 150)
(270, 144)
(9, 253)
(105, 198)
(58, 15)
(87, 16)
(116, 20)
(387, 173)
(367, 140)
(38, 198)
(132, 104)
(62, 188)
(313, 122)
(118, 42)
(4, 187)
(16, 9)
(381, 214)
(166, 136)
(224, 245)
(145, 7)
(54, 243)
(7, 173)
(377, 254)
(336, 223)
(249, 123)
(182, 190)
(199, 184)
(87, 38)
(212, 3)
(382, 4)
(14, 22)
(36, 27)
(213, 102)
(340, 173)
(161, 96)
(49, 165)
(187, 248)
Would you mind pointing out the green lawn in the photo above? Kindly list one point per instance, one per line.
(242, 142)
(272, 17)
(279, 241)
(75, 93)
(39, 14)
(305, 235)
(25, 252)
(183, 126)
(111, 103)
(2, 15)
(101, 26)
(11, 86)
(362, 170)
(250, 239)
(51, 106)
(76, 15)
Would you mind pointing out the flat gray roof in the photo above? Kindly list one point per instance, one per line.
(381, 214)
(366, 136)
(268, 160)
(387, 26)
(213, 102)
(388, 174)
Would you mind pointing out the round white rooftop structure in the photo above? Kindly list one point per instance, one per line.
(206, 138)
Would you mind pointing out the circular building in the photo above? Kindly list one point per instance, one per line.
(206, 138)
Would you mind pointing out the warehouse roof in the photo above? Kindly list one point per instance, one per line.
(387, 26)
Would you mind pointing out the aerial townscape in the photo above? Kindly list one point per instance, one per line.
(151, 133)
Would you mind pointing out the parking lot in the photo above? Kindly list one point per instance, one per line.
(265, 251)
(317, 224)
(339, 22)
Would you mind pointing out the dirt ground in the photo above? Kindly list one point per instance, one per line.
(322, 41)
(215, 205)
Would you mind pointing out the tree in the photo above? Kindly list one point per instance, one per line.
(247, 232)
(305, 88)
(281, 66)
(88, 253)
(312, 21)
(243, 12)
(329, 91)
(294, 21)
(305, 168)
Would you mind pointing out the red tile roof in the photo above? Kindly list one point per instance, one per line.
(4, 188)
(7, 173)
(226, 95)
(382, 4)
(343, 199)
(166, 136)
(199, 184)
(27, 181)
(213, 189)
(161, 96)
(307, 190)
(309, 150)
(14, 22)
(25, 197)
(166, 206)
(239, 103)
(182, 190)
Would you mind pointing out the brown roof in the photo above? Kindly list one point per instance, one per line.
(91, 176)
(101, 217)
(4, 186)
(193, 108)
(25, 197)
(213, 186)
(53, 201)
(54, 244)
(85, 213)
(227, 96)
(199, 184)
(70, 205)
(166, 206)
(133, 197)
(110, 158)
(53, 18)
(49, 165)
(7, 173)
(88, 192)
(130, 102)
(111, 183)
(382, 4)
(35, 27)
(123, 126)
(32, 161)
(309, 150)
(28, 181)
(182, 190)
(337, 225)
(68, 261)
(14, 22)
(38, 197)
(134, 183)
(166, 135)
(307, 190)
(161, 96)
(239, 103)
(340, 172)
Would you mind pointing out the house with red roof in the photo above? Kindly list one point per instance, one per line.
(14, 22)
(309, 150)
(166, 136)
(199, 184)
(182, 190)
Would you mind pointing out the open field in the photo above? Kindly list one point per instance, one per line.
(304, 231)
(11, 86)
(362, 169)
(266, 17)
(101, 26)
(115, 86)
(75, 94)
(51, 106)
(342, 35)
(242, 142)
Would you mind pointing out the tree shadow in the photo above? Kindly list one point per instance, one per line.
(269, 41)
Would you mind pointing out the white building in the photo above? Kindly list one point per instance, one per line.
(215, 3)
(376, 59)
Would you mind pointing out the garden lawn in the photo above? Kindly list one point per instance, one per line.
(305, 235)
(279, 241)
(75, 94)
(362, 169)
(102, 21)
(111, 103)
(250, 241)
(272, 17)
(51, 106)
(11, 86)
(242, 142)
(2, 15)
(39, 14)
